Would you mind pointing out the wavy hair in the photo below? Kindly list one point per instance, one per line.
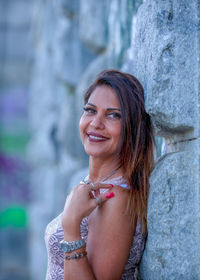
(136, 154)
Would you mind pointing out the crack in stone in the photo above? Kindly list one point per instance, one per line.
(185, 140)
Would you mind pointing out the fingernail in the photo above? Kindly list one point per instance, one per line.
(111, 185)
(109, 195)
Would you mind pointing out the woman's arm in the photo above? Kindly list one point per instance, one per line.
(109, 236)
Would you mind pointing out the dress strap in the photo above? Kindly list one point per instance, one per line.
(119, 181)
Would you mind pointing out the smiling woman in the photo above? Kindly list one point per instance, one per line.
(101, 232)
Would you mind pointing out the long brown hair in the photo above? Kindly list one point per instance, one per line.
(137, 139)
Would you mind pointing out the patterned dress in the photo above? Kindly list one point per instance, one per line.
(54, 234)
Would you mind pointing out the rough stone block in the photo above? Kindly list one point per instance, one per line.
(173, 248)
(165, 55)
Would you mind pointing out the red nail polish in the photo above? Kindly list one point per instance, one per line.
(109, 195)
(111, 185)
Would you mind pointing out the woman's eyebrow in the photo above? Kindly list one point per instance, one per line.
(113, 109)
(109, 109)
(91, 104)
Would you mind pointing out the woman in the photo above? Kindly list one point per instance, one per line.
(103, 226)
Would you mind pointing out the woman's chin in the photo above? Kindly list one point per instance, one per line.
(97, 154)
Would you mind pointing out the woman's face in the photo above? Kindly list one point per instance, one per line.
(100, 124)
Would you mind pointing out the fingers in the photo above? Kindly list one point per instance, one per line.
(98, 186)
(100, 199)
(94, 191)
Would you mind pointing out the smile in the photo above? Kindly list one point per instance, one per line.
(94, 137)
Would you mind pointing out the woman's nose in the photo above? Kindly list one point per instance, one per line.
(97, 122)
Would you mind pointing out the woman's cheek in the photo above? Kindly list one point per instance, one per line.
(82, 127)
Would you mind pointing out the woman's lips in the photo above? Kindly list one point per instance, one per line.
(95, 137)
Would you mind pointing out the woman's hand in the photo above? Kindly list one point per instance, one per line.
(80, 203)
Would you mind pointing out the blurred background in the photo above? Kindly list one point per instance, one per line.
(50, 51)
(16, 56)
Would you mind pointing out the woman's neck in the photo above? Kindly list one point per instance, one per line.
(101, 170)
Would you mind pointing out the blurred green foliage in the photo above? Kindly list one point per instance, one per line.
(15, 216)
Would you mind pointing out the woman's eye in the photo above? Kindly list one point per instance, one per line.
(89, 110)
(114, 115)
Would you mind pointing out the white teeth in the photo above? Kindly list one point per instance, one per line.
(96, 137)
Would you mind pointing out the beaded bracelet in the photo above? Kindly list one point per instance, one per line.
(76, 256)
(69, 246)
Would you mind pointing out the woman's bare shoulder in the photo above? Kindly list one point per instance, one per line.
(118, 202)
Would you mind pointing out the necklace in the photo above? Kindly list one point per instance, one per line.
(87, 180)
(109, 175)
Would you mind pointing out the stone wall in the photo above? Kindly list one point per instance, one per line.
(158, 42)
(170, 70)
